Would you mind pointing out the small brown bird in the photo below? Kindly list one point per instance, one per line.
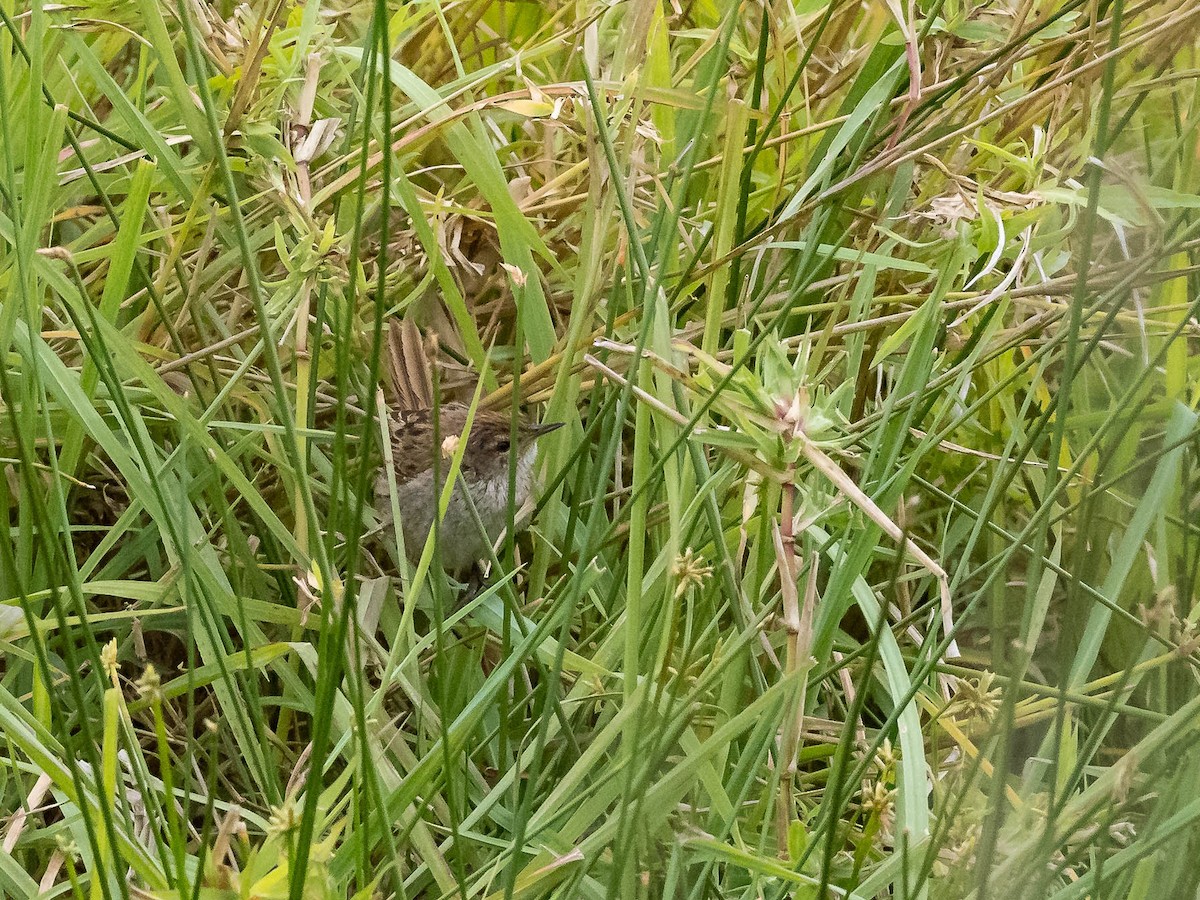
(484, 471)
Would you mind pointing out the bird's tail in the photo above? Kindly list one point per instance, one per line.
(409, 365)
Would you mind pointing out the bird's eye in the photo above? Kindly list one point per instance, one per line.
(502, 445)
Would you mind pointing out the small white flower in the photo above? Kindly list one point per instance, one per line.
(690, 570)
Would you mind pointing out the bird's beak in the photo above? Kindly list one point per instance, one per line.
(545, 428)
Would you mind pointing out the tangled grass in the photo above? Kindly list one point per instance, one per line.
(866, 563)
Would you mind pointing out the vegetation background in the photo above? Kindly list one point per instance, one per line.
(866, 565)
